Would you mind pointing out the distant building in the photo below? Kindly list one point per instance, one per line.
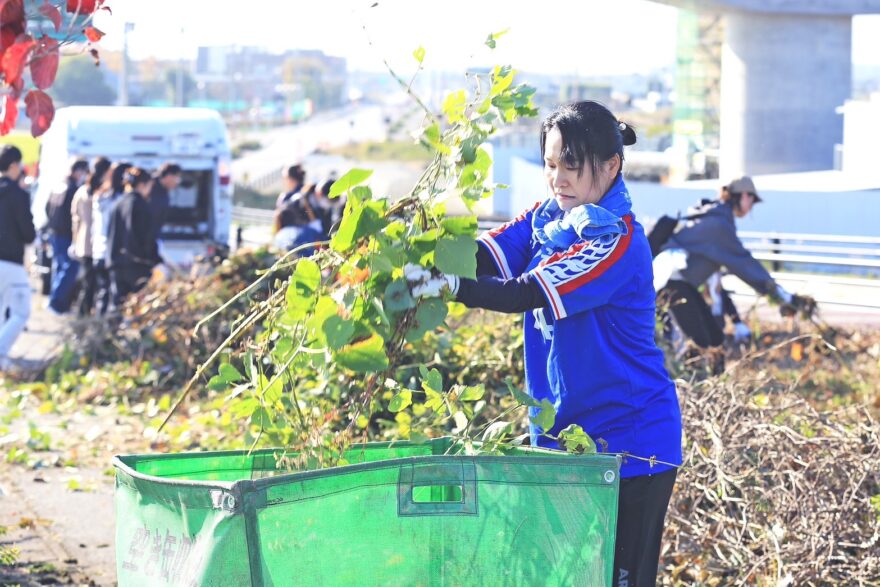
(858, 153)
(272, 84)
(577, 91)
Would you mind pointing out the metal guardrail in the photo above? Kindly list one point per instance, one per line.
(777, 248)
(252, 216)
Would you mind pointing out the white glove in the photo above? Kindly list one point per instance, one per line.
(783, 295)
(741, 332)
(414, 272)
(423, 283)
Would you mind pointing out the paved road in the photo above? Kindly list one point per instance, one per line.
(290, 144)
(43, 338)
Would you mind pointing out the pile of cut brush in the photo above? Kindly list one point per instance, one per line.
(774, 489)
(158, 325)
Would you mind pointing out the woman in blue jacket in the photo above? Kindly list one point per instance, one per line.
(579, 265)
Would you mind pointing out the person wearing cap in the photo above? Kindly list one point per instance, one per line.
(699, 249)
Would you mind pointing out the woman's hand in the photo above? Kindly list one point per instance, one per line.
(426, 283)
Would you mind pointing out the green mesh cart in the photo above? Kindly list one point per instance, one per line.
(405, 514)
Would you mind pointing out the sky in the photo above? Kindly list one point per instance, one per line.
(584, 37)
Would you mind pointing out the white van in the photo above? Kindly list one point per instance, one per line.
(199, 218)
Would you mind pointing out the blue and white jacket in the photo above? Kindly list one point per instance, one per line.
(591, 350)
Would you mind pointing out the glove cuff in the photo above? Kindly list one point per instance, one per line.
(783, 295)
(453, 283)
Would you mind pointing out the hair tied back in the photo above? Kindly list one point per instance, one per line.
(628, 133)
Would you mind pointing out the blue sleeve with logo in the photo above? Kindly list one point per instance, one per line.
(586, 275)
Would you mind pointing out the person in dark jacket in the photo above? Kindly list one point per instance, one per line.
(16, 231)
(706, 243)
(131, 248)
(166, 180)
(58, 213)
(102, 210)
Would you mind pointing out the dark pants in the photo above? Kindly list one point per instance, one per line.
(64, 272)
(88, 287)
(103, 287)
(641, 511)
(128, 279)
(692, 313)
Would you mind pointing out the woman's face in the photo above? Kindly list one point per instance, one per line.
(574, 186)
(290, 183)
(746, 201)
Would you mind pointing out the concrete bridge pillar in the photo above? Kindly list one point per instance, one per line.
(782, 77)
(786, 67)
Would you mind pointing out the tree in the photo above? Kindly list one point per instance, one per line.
(80, 83)
(38, 52)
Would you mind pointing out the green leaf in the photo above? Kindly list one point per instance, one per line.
(260, 418)
(364, 356)
(521, 398)
(395, 230)
(283, 349)
(429, 315)
(476, 173)
(431, 379)
(363, 220)
(490, 40)
(323, 309)
(397, 297)
(349, 180)
(419, 54)
(460, 225)
(457, 256)
(432, 137)
(472, 393)
(218, 383)
(304, 283)
(361, 193)
(389, 258)
(229, 373)
(271, 393)
(338, 331)
(400, 401)
(453, 106)
(434, 400)
(574, 439)
(546, 417)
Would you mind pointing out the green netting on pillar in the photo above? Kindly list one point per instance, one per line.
(401, 514)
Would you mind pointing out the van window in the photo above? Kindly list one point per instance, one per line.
(189, 212)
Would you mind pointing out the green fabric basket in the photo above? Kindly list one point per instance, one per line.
(406, 514)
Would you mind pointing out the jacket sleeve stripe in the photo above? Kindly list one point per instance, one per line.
(551, 293)
(497, 254)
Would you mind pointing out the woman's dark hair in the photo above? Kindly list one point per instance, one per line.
(296, 173)
(324, 190)
(167, 169)
(136, 176)
(117, 176)
(9, 154)
(590, 134)
(99, 170)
